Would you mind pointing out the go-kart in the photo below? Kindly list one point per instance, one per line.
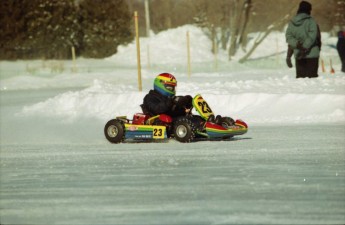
(186, 128)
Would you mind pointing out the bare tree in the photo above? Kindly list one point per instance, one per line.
(262, 35)
(239, 21)
(225, 23)
(339, 14)
(244, 31)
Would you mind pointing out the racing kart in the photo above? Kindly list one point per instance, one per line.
(186, 128)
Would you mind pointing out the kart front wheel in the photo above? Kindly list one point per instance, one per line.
(184, 130)
(114, 131)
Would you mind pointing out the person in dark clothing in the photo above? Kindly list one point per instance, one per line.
(341, 49)
(304, 38)
(162, 99)
(288, 56)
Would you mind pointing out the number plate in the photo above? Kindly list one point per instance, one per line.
(145, 131)
(202, 107)
(158, 133)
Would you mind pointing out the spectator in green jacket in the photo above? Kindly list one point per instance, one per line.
(303, 37)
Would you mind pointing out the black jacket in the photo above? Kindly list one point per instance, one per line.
(156, 103)
(341, 44)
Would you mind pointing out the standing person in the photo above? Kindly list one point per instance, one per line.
(303, 36)
(341, 49)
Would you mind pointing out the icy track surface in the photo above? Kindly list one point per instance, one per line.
(280, 175)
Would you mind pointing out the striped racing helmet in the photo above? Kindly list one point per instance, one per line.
(165, 84)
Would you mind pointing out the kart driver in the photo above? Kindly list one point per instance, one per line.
(162, 99)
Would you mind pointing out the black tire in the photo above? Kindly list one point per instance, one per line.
(227, 122)
(184, 130)
(114, 131)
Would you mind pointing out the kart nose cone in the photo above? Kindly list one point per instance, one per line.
(241, 123)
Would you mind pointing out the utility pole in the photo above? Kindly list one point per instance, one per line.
(147, 18)
(138, 49)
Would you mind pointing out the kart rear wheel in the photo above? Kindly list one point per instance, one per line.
(184, 130)
(114, 131)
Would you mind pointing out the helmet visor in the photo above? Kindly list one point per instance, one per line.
(170, 87)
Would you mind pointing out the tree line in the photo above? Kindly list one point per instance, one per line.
(48, 29)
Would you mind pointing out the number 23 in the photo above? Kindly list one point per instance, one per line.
(157, 132)
(204, 107)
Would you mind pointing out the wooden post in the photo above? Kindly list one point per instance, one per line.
(74, 69)
(323, 66)
(147, 18)
(215, 47)
(148, 57)
(138, 49)
(332, 70)
(277, 51)
(188, 54)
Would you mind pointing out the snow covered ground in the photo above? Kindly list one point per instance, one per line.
(57, 167)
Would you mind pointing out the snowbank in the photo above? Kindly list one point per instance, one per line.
(168, 47)
(262, 91)
(105, 101)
